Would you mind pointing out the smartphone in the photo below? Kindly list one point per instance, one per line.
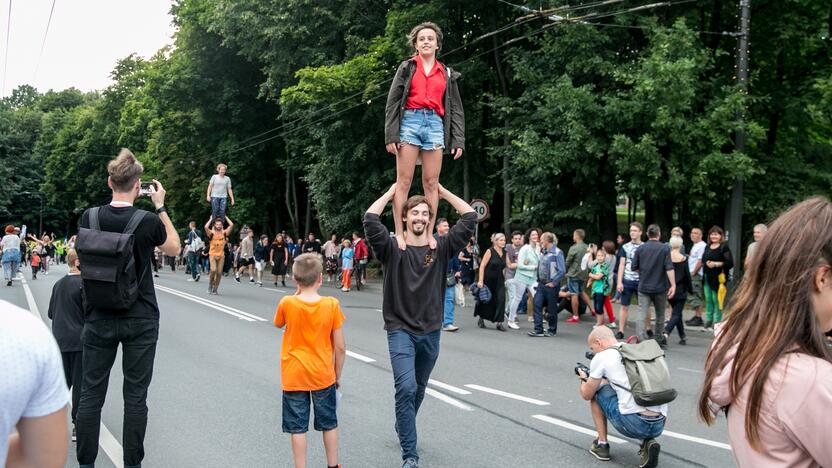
(145, 189)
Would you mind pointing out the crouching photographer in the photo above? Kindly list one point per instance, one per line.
(615, 397)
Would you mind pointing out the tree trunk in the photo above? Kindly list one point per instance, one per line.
(501, 76)
(308, 213)
(466, 191)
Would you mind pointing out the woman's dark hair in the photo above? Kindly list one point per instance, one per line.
(777, 291)
(716, 229)
(529, 233)
(608, 246)
(414, 33)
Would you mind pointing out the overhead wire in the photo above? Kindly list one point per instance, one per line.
(45, 33)
(504, 44)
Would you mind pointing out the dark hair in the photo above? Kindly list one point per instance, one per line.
(441, 220)
(414, 201)
(654, 231)
(775, 290)
(529, 234)
(609, 246)
(718, 230)
(414, 33)
(356, 234)
(516, 233)
(638, 225)
(581, 233)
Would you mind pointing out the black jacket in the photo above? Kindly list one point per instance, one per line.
(454, 120)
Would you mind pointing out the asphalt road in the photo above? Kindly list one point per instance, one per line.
(498, 398)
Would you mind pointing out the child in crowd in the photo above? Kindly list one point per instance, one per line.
(599, 279)
(312, 357)
(66, 310)
(347, 255)
(35, 264)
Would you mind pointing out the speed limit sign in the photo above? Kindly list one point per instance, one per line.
(481, 208)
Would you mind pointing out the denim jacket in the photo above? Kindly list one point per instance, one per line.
(552, 266)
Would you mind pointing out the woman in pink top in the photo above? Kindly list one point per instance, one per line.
(770, 367)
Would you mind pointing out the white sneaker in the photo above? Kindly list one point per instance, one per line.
(189, 279)
(513, 325)
(612, 325)
(345, 290)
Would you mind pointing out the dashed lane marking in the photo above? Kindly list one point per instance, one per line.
(449, 400)
(576, 428)
(450, 388)
(698, 440)
(214, 305)
(360, 357)
(513, 396)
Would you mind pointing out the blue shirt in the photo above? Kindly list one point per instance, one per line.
(552, 266)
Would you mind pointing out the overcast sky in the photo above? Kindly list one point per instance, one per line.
(85, 40)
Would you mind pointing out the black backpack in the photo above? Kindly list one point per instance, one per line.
(108, 268)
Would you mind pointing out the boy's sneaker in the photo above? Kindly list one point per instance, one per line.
(601, 451)
(260, 283)
(197, 277)
(513, 325)
(410, 463)
(251, 280)
(709, 326)
(237, 279)
(573, 319)
(612, 325)
(450, 328)
(535, 334)
(694, 322)
(649, 454)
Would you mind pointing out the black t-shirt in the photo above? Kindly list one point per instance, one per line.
(414, 279)
(311, 246)
(66, 309)
(149, 234)
(652, 262)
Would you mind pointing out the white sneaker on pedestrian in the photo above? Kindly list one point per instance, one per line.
(189, 279)
(612, 325)
(345, 290)
(513, 325)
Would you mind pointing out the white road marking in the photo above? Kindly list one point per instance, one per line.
(576, 428)
(448, 400)
(698, 440)
(513, 396)
(30, 299)
(360, 357)
(450, 388)
(695, 371)
(379, 310)
(214, 305)
(106, 439)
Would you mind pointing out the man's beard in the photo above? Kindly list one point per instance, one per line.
(417, 229)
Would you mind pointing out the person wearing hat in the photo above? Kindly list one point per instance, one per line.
(10, 245)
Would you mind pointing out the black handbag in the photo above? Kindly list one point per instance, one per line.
(450, 280)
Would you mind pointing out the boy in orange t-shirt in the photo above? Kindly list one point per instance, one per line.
(308, 370)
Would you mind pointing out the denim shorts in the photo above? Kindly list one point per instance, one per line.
(296, 410)
(423, 128)
(630, 289)
(575, 285)
(634, 426)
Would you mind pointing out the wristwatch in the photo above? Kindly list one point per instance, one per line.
(161, 210)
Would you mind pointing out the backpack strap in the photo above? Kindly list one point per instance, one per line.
(137, 218)
(94, 225)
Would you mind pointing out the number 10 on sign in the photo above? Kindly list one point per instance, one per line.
(481, 208)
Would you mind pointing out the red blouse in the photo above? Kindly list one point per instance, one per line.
(427, 92)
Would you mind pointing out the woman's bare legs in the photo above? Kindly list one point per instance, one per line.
(405, 166)
(431, 167)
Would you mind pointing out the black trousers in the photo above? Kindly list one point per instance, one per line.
(101, 338)
(72, 372)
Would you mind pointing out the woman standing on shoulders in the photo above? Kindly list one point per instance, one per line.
(491, 275)
(423, 118)
(770, 367)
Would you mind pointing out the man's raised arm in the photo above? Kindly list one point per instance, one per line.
(378, 206)
(459, 204)
(377, 235)
(462, 231)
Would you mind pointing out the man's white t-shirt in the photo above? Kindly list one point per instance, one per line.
(220, 187)
(696, 253)
(607, 365)
(32, 382)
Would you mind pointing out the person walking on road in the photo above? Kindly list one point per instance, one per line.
(261, 257)
(526, 274)
(312, 244)
(331, 251)
(136, 329)
(362, 257)
(219, 191)
(423, 118)
(512, 252)
(192, 248)
(246, 257)
(718, 262)
(66, 310)
(217, 238)
(451, 278)
(627, 283)
(279, 258)
(412, 299)
(10, 246)
(657, 282)
(575, 276)
(311, 359)
(550, 272)
(681, 273)
(491, 276)
(770, 362)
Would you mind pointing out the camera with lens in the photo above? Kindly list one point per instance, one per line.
(581, 367)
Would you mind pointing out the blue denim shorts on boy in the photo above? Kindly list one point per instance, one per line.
(422, 128)
(574, 285)
(634, 426)
(630, 290)
(296, 410)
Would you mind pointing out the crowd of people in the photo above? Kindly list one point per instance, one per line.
(20, 250)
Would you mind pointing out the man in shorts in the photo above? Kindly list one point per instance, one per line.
(575, 277)
(627, 278)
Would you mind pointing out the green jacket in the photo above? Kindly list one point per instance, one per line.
(527, 274)
(454, 120)
(573, 260)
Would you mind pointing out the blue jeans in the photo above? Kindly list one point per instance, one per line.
(218, 206)
(296, 410)
(422, 128)
(412, 358)
(11, 260)
(546, 296)
(634, 426)
(449, 307)
(192, 264)
(100, 339)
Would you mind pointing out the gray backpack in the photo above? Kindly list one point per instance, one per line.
(647, 372)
